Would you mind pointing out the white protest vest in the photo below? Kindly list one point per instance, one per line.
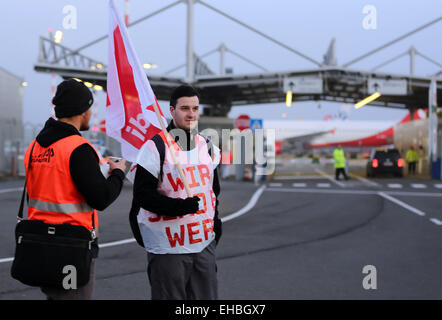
(190, 233)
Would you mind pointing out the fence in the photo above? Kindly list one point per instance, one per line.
(11, 144)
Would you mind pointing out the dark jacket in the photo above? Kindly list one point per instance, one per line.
(146, 195)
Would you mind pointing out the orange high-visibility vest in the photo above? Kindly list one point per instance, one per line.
(53, 196)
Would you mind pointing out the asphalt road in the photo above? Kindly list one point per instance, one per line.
(305, 238)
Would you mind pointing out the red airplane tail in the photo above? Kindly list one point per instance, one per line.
(418, 114)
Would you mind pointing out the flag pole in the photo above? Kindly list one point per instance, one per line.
(156, 107)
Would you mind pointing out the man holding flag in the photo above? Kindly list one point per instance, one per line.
(175, 221)
(179, 232)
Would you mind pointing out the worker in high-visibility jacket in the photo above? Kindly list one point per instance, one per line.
(65, 183)
(339, 159)
(412, 157)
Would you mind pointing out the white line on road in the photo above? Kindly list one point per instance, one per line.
(329, 191)
(401, 203)
(299, 185)
(104, 245)
(366, 181)
(394, 185)
(297, 177)
(436, 221)
(11, 190)
(249, 205)
(366, 192)
(116, 243)
(322, 173)
(417, 194)
(232, 216)
(323, 185)
(438, 185)
(418, 185)
(275, 184)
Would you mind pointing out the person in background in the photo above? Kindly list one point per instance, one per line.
(412, 158)
(340, 163)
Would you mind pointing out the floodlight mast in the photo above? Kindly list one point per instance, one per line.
(190, 69)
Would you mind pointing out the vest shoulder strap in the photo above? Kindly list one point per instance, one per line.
(159, 143)
(77, 140)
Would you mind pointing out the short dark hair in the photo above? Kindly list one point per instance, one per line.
(182, 91)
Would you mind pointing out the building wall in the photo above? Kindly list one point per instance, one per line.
(11, 118)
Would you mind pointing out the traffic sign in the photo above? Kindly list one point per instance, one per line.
(255, 124)
(390, 87)
(303, 85)
(242, 122)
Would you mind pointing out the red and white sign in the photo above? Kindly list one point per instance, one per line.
(189, 233)
(102, 126)
(130, 116)
(278, 147)
(242, 122)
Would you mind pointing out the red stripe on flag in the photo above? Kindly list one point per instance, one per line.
(135, 129)
(150, 108)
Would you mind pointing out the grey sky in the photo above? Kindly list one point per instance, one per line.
(307, 26)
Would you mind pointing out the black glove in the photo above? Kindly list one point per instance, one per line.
(189, 205)
(217, 228)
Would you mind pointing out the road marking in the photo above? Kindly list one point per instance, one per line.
(366, 181)
(363, 192)
(436, 221)
(275, 184)
(418, 194)
(332, 191)
(438, 185)
(394, 185)
(323, 185)
(6, 260)
(418, 185)
(232, 216)
(11, 190)
(116, 243)
(297, 177)
(299, 185)
(248, 206)
(104, 245)
(322, 173)
(401, 203)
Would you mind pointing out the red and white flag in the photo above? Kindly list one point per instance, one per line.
(130, 115)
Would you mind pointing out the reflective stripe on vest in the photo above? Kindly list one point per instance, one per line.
(59, 207)
(53, 196)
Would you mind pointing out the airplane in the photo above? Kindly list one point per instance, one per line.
(330, 133)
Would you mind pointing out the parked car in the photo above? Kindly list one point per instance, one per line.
(385, 161)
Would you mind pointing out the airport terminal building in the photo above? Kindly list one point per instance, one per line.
(11, 119)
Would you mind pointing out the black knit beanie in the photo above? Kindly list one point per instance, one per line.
(72, 98)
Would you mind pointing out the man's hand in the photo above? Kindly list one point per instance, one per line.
(117, 164)
(190, 205)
